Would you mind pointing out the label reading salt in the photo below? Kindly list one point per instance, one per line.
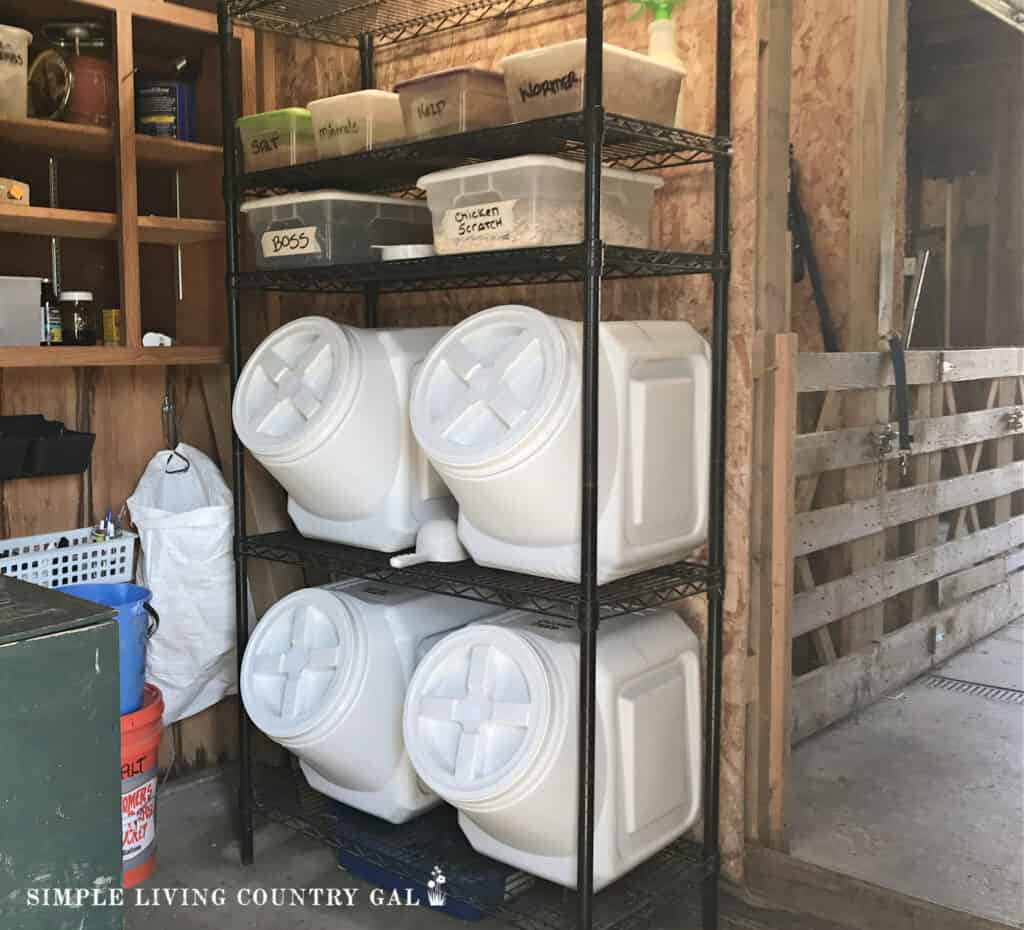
(265, 143)
(285, 242)
(138, 818)
(484, 221)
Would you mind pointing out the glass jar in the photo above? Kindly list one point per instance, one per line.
(79, 318)
(52, 325)
(87, 94)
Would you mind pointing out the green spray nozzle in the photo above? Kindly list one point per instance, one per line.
(659, 9)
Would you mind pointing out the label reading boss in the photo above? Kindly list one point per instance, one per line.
(482, 221)
(284, 242)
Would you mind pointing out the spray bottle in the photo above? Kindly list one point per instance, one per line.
(662, 39)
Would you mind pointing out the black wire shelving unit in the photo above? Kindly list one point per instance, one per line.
(684, 874)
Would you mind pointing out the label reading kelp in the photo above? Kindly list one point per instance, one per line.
(482, 221)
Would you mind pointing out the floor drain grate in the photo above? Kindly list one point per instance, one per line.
(990, 692)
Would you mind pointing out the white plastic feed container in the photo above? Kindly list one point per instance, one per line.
(491, 726)
(549, 81)
(356, 122)
(325, 674)
(324, 408)
(14, 43)
(497, 408)
(331, 227)
(534, 200)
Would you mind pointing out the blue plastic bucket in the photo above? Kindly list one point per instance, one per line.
(136, 622)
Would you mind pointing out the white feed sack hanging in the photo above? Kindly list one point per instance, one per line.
(183, 510)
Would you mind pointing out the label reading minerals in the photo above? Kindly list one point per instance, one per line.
(482, 221)
(280, 243)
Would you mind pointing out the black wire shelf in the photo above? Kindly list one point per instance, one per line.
(667, 881)
(631, 144)
(509, 590)
(342, 22)
(545, 265)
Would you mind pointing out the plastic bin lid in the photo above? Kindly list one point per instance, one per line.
(521, 162)
(477, 711)
(489, 383)
(300, 381)
(288, 200)
(352, 95)
(303, 664)
(450, 72)
(607, 47)
(296, 112)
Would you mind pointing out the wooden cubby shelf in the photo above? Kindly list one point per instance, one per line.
(95, 142)
(87, 224)
(106, 356)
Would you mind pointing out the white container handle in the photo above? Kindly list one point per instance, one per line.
(475, 198)
(409, 558)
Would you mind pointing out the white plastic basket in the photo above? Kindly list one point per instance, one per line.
(43, 561)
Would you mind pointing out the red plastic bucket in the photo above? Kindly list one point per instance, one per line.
(140, 741)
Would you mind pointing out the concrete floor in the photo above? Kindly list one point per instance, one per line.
(197, 850)
(923, 793)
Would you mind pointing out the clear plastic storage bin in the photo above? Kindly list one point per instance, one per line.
(533, 200)
(331, 227)
(549, 81)
(276, 139)
(356, 122)
(456, 100)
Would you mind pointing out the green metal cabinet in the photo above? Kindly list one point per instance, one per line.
(60, 758)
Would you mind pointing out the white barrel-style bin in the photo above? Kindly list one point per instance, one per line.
(324, 408)
(497, 408)
(14, 43)
(325, 674)
(491, 726)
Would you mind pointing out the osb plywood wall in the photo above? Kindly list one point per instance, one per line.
(293, 72)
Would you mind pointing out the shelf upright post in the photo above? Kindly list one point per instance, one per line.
(716, 516)
(367, 81)
(229, 113)
(588, 618)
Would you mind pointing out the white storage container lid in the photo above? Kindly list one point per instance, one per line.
(640, 57)
(477, 711)
(488, 385)
(304, 663)
(521, 162)
(297, 385)
(355, 95)
(288, 200)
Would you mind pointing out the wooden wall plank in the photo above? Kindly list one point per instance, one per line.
(957, 586)
(925, 469)
(871, 586)
(824, 371)
(127, 188)
(845, 448)
(832, 526)
(826, 695)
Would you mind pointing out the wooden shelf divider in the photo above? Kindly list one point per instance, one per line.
(93, 356)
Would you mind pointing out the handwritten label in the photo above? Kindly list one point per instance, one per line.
(264, 143)
(286, 242)
(429, 110)
(349, 128)
(562, 84)
(485, 221)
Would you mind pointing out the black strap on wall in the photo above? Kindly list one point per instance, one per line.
(899, 369)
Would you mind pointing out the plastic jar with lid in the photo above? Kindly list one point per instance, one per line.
(325, 674)
(490, 723)
(79, 318)
(325, 409)
(497, 409)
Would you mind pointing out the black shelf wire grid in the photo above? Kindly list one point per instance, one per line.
(468, 580)
(343, 22)
(663, 884)
(629, 143)
(509, 267)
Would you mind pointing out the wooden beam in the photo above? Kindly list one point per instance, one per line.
(127, 181)
(871, 586)
(832, 526)
(848, 371)
(828, 694)
(954, 224)
(957, 586)
(780, 618)
(846, 448)
(925, 469)
(1002, 452)
(847, 902)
